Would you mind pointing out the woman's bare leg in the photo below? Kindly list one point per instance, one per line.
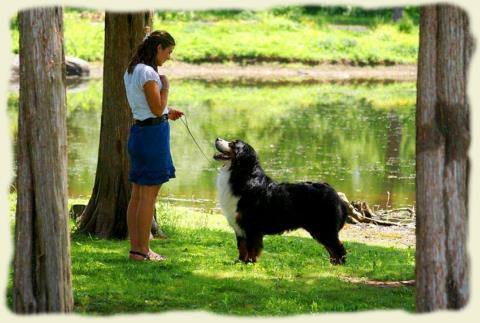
(132, 217)
(147, 195)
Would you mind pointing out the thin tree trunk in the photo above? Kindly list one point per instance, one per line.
(42, 268)
(105, 214)
(443, 138)
(397, 13)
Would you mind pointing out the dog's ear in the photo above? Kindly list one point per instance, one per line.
(245, 155)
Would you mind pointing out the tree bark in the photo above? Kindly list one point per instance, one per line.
(443, 138)
(105, 214)
(42, 278)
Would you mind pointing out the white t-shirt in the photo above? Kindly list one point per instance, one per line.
(134, 88)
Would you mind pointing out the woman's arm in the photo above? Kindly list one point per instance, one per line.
(156, 98)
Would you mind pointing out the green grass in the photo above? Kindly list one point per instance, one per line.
(269, 38)
(285, 35)
(293, 275)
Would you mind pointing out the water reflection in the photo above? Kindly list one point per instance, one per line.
(358, 138)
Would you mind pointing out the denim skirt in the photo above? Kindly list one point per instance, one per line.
(149, 152)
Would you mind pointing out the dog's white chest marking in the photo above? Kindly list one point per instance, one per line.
(228, 202)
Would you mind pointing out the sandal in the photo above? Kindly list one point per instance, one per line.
(146, 257)
(155, 256)
(138, 253)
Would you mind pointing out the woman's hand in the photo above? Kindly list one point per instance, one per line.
(174, 114)
(165, 83)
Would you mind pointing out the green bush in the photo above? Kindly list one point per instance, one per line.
(405, 25)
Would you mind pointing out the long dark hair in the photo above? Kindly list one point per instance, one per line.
(147, 50)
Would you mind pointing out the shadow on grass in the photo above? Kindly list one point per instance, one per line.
(293, 276)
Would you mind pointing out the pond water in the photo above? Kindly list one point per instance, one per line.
(360, 138)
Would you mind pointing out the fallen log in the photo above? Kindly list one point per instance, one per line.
(355, 213)
(74, 67)
(363, 208)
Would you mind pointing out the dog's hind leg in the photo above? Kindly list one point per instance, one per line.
(254, 244)
(242, 249)
(333, 245)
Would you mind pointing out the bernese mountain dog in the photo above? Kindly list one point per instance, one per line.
(255, 205)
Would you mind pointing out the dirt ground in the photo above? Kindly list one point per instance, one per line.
(262, 73)
(393, 236)
(397, 236)
(279, 72)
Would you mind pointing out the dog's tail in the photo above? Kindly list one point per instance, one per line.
(343, 209)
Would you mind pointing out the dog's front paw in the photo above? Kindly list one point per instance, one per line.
(338, 260)
(250, 260)
(243, 259)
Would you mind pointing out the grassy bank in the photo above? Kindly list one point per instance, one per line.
(308, 35)
(293, 275)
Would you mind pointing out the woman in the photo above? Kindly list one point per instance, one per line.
(149, 140)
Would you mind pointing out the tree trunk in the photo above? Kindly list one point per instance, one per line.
(42, 268)
(105, 215)
(443, 138)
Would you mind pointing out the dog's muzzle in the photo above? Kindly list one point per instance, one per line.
(223, 147)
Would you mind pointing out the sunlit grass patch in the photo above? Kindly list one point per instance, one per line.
(293, 275)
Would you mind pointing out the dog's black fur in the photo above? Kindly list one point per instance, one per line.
(267, 207)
